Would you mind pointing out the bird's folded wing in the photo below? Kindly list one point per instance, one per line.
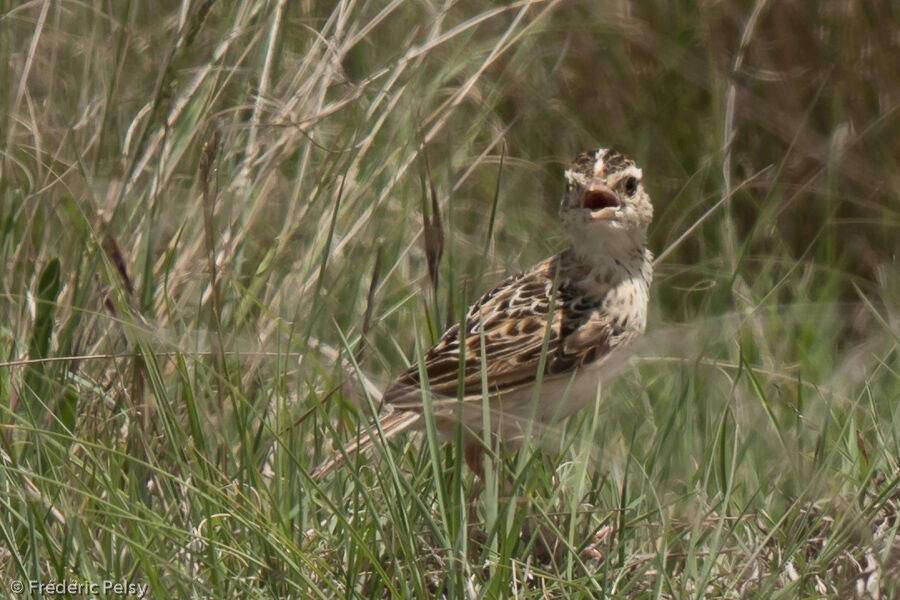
(513, 320)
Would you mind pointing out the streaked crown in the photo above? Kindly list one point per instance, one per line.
(604, 190)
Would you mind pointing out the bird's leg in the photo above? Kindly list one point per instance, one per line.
(474, 454)
(549, 547)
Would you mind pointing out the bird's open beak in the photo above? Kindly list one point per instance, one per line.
(600, 200)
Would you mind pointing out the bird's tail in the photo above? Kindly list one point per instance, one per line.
(391, 424)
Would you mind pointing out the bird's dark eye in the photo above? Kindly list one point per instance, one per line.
(630, 186)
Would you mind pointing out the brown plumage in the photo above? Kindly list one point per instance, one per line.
(589, 303)
(513, 319)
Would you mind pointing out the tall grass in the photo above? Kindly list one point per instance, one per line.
(211, 239)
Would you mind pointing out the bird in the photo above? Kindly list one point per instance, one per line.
(538, 345)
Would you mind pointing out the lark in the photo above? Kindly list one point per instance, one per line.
(537, 347)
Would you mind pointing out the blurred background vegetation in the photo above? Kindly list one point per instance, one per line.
(209, 210)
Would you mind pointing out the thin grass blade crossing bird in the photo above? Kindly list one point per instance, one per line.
(591, 299)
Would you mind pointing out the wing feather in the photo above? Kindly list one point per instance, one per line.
(513, 320)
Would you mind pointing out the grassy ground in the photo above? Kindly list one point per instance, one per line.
(211, 220)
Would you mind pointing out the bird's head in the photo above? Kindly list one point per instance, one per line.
(604, 198)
